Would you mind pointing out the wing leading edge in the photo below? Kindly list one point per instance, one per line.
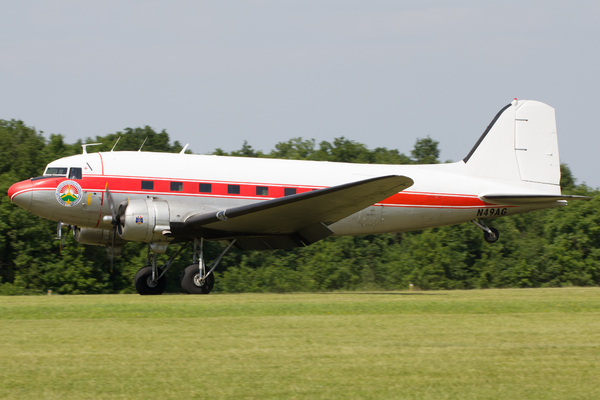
(297, 220)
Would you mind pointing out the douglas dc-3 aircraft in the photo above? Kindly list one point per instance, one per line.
(113, 197)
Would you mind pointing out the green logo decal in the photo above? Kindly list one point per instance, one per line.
(68, 193)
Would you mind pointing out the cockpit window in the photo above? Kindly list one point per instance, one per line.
(56, 171)
(75, 173)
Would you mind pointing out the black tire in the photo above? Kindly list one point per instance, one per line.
(143, 284)
(190, 281)
(489, 238)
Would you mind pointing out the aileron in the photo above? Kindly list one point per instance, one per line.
(525, 199)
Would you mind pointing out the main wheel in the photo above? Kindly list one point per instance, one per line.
(190, 281)
(489, 238)
(144, 284)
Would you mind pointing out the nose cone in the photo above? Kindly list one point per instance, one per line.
(20, 193)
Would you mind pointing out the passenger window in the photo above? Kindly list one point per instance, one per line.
(147, 185)
(262, 191)
(75, 173)
(176, 186)
(205, 188)
(289, 191)
(233, 189)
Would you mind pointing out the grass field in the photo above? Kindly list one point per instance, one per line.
(479, 344)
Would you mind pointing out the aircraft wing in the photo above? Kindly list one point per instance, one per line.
(527, 199)
(304, 216)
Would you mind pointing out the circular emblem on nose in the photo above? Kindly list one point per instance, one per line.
(68, 193)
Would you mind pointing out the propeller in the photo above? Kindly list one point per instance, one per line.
(115, 220)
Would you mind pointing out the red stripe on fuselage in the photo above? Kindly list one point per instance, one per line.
(132, 185)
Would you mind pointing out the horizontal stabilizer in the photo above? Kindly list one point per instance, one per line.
(527, 199)
(301, 212)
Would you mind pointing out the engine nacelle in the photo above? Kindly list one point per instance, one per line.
(99, 237)
(146, 220)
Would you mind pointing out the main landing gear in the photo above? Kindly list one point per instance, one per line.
(491, 235)
(197, 278)
(146, 283)
(151, 280)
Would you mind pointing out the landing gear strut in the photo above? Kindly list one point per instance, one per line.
(151, 280)
(198, 278)
(491, 235)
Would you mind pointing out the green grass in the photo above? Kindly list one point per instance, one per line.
(479, 344)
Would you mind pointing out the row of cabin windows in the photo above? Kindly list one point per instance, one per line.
(76, 173)
(207, 188)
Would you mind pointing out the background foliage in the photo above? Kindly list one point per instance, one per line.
(559, 247)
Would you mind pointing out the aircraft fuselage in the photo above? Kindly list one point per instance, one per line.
(191, 184)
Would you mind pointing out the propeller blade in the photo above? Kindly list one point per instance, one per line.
(111, 204)
(112, 253)
(115, 222)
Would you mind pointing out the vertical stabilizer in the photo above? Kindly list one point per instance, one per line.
(520, 144)
(536, 143)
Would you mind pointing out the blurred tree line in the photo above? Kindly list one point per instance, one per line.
(558, 247)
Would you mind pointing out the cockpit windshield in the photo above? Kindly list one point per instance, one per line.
(75, 173)
(56, 171)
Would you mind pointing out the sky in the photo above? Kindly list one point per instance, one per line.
(383, 73)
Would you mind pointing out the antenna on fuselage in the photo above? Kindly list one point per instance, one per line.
(88, 144)
(115, 145)
(143, 144)
(184, 148)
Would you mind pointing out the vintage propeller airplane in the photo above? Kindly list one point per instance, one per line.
(114, 197)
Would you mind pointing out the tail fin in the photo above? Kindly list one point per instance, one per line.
(520, 144)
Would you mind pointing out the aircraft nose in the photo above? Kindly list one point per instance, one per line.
(20, 193)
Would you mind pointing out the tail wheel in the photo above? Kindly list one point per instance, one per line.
(145, 285)
(192, 283)
(493, 237)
